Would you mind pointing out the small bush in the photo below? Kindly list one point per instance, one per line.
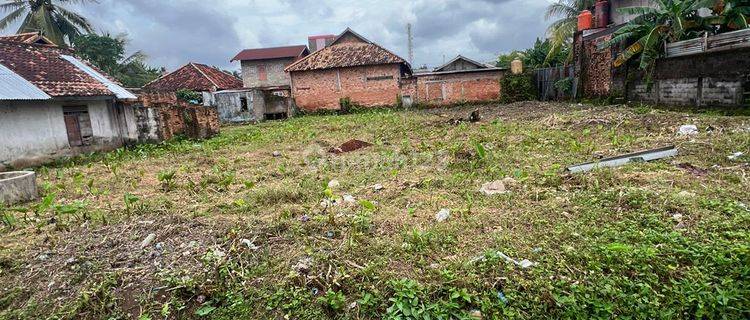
(517, 87)
(189, 96)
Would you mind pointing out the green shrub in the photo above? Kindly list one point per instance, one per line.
(189, 96)
(517, 87)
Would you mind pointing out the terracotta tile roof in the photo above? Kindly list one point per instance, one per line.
(272, 53)
(29, 37)
(349, 50)
(44, 66)
(196, 77)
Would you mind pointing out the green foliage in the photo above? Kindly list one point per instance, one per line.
(189, 96)
(565, 86)
(334, 301)
(538, 56)
(166, 177)
(108, 54)
(59, 24)
(517, 87)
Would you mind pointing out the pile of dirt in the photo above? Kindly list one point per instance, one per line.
(349, 146)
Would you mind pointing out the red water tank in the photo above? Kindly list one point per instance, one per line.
(602, 14)
(584, 20)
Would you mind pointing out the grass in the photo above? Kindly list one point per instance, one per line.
(646, 241)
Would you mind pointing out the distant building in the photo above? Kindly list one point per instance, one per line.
(196, 77)
(52, 104)
(264, 67)
(459, 80)
(350, 67)
(316, 43)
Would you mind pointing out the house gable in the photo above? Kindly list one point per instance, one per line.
(461, 63)
(349, 36)
(196, 77)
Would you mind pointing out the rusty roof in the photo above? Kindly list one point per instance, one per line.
(348, 50)
(43, 66)
(272, 53)
(196, 77)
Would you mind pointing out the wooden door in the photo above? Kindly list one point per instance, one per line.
(74, 130)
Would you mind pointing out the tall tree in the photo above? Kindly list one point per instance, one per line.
(50, 17)
(108, 54)
(561, 31)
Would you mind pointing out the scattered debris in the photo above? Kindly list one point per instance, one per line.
(349, 199)
(476, 314)
(524, 264)
(303, 265)
(501, 297)
(304, 218)
(689, 129)
(693, 169)
(736, 155)
(147, 242)
(330, 234)
(353, 305)
(475, 116)
(276, 154)
(160, 246)
(249, 244)
(493, 188)
(643, 156)
(677, 217)
(43, 256)
(333, 184)
(686, 194)
(349, 146)
(378, 187)
(443, 215)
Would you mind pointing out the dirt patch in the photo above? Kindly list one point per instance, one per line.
(62, 266)
(349, 146)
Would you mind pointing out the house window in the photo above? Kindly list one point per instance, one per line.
(262, 75)
(243, 105)
(78, 126)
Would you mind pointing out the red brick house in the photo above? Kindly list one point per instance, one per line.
(350, 67)
(194, 76)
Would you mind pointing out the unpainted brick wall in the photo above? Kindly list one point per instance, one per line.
(596, 68)
(174, 117)
(458, 87)
(322, 89)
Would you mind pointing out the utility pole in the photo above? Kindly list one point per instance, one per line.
(411, 43)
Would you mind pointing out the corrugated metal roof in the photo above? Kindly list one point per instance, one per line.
(15, 87)
(119, 91)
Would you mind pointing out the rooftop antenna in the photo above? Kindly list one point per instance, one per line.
(411, 43)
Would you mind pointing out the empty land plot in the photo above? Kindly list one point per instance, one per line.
(264, 222)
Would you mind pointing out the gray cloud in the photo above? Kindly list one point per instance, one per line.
(174, 32)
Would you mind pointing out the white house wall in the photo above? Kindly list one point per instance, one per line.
(33, 133)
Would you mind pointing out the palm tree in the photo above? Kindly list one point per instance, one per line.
(48, 16)
(561, 31)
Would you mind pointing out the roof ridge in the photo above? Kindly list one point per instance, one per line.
(204, 74)
(305, 58)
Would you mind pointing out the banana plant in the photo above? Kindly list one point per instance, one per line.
(666, 21)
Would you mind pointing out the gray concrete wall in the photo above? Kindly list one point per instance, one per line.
(275, 75)
(33, 133)
(690, 92)
(229, 107)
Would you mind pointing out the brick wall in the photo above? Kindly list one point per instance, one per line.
(458, 87)
(274, 71)
(596, 67)
(366, 86)
(162, 117)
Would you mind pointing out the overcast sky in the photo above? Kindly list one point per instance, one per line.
(174, 32)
